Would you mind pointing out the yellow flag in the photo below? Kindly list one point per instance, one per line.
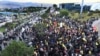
(84, 39)
(63, 45)
(90, 52)
(81, 51)
(97, 43)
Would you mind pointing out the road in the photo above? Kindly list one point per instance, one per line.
(33, 18)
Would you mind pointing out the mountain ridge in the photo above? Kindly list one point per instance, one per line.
(8, 4)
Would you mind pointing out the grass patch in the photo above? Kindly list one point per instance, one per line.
(85, 15)
(2, 29)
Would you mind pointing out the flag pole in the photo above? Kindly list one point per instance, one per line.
(81, 11)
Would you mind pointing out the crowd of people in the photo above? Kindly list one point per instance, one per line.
(64, 37)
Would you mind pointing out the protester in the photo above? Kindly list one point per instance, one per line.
(62, 38)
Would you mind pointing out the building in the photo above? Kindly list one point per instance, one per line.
(86, 8)
(73, 6)
(66, 6)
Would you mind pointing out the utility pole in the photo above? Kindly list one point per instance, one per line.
(81, 11)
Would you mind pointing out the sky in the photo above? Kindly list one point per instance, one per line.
(54, 1)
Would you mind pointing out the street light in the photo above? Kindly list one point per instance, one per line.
(82, 5)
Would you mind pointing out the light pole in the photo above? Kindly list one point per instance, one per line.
(82, 5)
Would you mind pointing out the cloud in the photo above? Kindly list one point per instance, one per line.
(95, 6)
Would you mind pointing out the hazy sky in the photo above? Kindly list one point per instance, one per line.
(53, 1)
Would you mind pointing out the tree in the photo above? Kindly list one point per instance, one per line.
(55, 6)
(45, 15)
(48, 10)
(40, 28)
(97, 11)
(10, 25)
(17, 49)
(64, 12)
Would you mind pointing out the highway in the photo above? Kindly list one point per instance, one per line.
(32, 18)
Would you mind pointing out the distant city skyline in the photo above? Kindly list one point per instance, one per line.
(54, 1)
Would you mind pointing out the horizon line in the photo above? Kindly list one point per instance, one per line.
(49, 3)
